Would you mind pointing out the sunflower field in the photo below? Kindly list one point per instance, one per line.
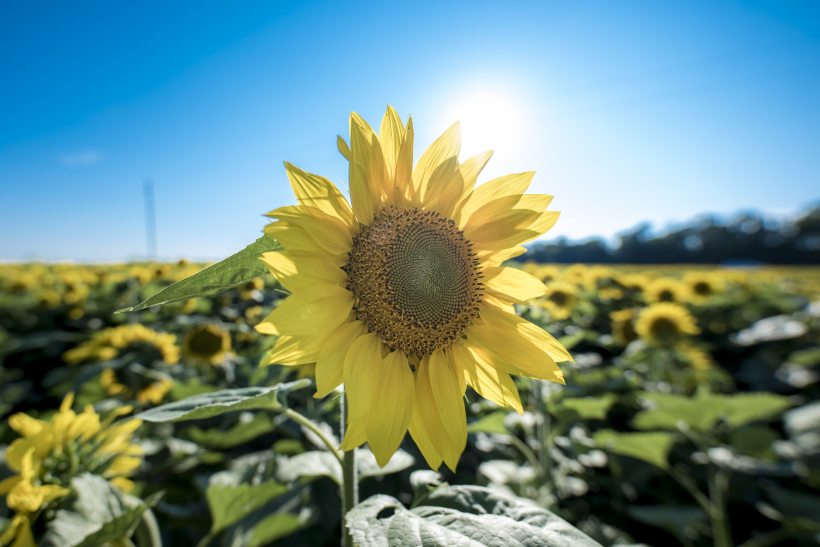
(690, 416)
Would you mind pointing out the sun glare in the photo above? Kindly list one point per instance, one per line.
(489, 120)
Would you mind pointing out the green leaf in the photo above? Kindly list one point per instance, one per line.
(755, 441)
(700, 412)
(650, 447)
(745, 408)
(190, 388)
(806, 357)
(238, 434)
(491, 423)
(672, 518)
(461, 515)
(801, 508)
(229, 504)
(368, 467)
(313, 464)
(97, 514)
(234, 270)
(274, 527)
(590, 408)
(208, 405)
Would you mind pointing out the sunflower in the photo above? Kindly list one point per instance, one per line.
(208, 343)
(50, 453)
(665, 324)
(700, 286)
(114, 341)
(559, 299)
(665, 289)
(400, 294)
(623, 325)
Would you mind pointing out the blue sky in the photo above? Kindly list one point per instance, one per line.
(629, 111)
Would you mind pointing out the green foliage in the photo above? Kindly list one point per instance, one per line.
(209, 405)
(590, 408)
(461, 515)
(491, 423)
(650, 447)
(229, 504)
(97, 513)
(234, 270)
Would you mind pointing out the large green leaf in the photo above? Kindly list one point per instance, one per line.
(228, 504)
(469, 516)
(491, 423)
(241, 433)
(226, 274)
(745, 408)
(650, 447)
(672, 518)
(275, 526)
(97, 514)
(313, 464)
(593, 408)
(208, 405)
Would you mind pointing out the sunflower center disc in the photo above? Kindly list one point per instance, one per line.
(415, 280)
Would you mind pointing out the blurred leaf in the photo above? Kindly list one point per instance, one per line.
(317, 463)
(208, 405)
(491, 423)
(672, 518)
(241, 433)
(700, 412)
(461, 515)
(366, 462)
(650, 447)
(190, 388)
(806, 357)
(798, 508)
(228, 504)
(234, 270)
(572, 340)
(288, 447)
(594, 408)
(97, 514)
(274, 527)
(744, 408)
(755, 441)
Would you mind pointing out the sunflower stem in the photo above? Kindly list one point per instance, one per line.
(304, 422)
(350, 484)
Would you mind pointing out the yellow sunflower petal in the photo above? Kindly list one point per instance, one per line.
(448, 396)
(51, 492)
(488, 380)
(125, 485)
(298, 270)
(366, 169)
(445, 147)
(403, 192)
(330, 233)
(508, 185)
(536, 334)
(296, 238)
(490, 301)
(25, 425)
(344, 149)
(505, 217)
(512, 284)
(355, 435)
(8, 483)
(362, 363)
(473, 167)
(420, 436)
(391, 137)
(330, 362)
(25, 537)
(445, 188)
(516, 353)
(432, 418)
(315, 313)
(293, 350)
(494, 258)
(394, 401)
(544, 223)
(315, 191)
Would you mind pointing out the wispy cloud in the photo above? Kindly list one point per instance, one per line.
(84, 157)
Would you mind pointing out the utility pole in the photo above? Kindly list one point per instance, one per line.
(150, 219)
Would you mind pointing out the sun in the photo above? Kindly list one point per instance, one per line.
(491, 119)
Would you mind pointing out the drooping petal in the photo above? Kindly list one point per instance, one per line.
(445, 147)
(330, 362)
(315, 313)
(296, 238)
(391, 137)
(394, 403)
(330, 233)
(508, 185)
(298, 270)
(488, 379)
(355, 435)
(362, 374)
(25, 425)
(512, 284)
(536, 334)
(318, 192)
(293, 350)
(515, 352)
(448, 396)
(431, 417)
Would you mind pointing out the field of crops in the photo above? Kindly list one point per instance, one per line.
(690, 416)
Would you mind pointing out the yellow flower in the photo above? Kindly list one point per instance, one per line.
(623, 325)
(207, 342)
(22, 494)
(18, 531)
(154, 392)
(559, 299)
(109, 343)
(665, 289)
(697, 358)
(401, 295)
(702, 285)
(665, 324)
